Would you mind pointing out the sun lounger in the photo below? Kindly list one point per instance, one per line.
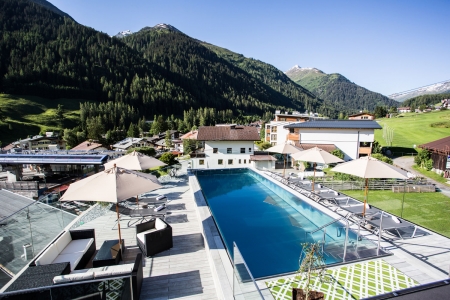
(344, 201)
(390, 223)
(143, 213)
(359, 209)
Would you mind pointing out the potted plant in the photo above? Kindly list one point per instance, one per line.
(312, 265)
(297, 165)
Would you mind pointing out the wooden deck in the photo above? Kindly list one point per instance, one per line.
(182, 272)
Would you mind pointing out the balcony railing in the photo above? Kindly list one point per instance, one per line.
(197, 155)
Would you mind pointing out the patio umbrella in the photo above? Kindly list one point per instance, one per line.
(112, 185)
(283, 149)
(135, 161)
(368, 167)
(316, 155)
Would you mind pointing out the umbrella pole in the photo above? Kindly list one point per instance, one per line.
(137, 201)
(284, 167)
(365, 197)
(314, 177)
(118, 226)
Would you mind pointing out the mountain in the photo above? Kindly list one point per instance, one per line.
(428, 99)
(123, 34)
(338, 90)
(437, 88)
(156, 71)
(51, 7)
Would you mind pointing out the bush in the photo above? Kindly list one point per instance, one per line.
(383, 158)
(428, 164)
(338, 153)
(168, 158)
(264, 145)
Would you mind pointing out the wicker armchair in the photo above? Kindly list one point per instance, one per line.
(154, 236)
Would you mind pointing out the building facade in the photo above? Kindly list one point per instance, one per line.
(362, 116)
(225, 147)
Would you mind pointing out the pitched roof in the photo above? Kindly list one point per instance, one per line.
(192, 135)
(87, 145)
(361, 114)
(228, 133)
(262, 158)
(325, 147)
(442, 145)
(342, 124)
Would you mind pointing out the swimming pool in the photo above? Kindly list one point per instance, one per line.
(268, 223)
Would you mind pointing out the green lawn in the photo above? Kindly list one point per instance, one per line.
(29, 115)
(414, 129)
(430, 174)
(430, 210)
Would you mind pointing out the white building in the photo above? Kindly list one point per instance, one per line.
(225, 147)
(353, 137)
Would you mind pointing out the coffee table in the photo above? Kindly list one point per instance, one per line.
(109, 254)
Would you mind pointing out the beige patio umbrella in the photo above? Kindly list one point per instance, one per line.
(112, 185)
(135, 161)
(368, 167)
(283, 149)
(316, 155)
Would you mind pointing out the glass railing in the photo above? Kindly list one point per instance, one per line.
(119, 288)
(244, 285)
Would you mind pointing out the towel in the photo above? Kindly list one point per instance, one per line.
(161, 207)
(368, 206)
(160, 197)
(396, 220)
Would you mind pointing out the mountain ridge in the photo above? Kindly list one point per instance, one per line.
(436, 88)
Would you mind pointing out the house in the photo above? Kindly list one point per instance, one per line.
(405, 109)
(89, 146)
(130, 142)
(275, 131)
(191, 135)
(353, 137)
(362, 116)
(51, 141)
(225, 146)
(440, 154)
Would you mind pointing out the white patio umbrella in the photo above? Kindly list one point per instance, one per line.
(316, 155)
(135, 161)
(112, 185)
(283, 149)
(368, 167)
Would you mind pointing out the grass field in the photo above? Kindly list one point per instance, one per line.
(430, 210)
(29, 115)
(414, 129)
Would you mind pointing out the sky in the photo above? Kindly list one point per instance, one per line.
(384, 46)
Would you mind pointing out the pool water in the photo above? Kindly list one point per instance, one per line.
(268, 223)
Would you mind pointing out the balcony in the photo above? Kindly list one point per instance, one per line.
(293, 137)
(365, 150)
(197, 155)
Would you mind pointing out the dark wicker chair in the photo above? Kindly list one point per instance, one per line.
(156, 240)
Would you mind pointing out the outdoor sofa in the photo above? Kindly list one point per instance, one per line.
(55, 281)
(154, 236)
(75, 246)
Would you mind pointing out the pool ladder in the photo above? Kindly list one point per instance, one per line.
(324, 227)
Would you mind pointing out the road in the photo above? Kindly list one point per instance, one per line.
(406, 162)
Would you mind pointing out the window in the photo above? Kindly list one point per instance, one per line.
(229, 150)
(220, 162)
(242, 150)
(282, 119)
(215, 150)
(274, 129)
(239, 161)
(245, 161)
(230, 161)
(201, 162)
(250, 150)
(273, 137)
(291, 130)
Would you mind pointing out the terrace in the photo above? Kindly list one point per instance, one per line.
(198, 266)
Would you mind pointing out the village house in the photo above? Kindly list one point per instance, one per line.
(51, 141)
(362, 116)
(226, 146)
(353, 137)
(87, 146)
(129, 142)
(405, 109)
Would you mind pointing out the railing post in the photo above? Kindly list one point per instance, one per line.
(346, 239)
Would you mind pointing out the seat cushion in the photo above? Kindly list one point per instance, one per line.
(73, 258)
(141, 236)
(63, 241)
(114, 270)
(76, 246)
(159, 224)
(48, 256)
(73, 277)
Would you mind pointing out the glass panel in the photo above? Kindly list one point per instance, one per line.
(244, 285)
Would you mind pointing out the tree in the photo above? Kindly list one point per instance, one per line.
(376, 147)
(262, 132)
(3, 115)
(70, 136)
(313, 264)
(189, 145)
(94, 128)
(380, 112)
(168, 158)
(168, 140)
(60, 114)
(264, 145)
(338, 153)
(133, 131)
(423, 159)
